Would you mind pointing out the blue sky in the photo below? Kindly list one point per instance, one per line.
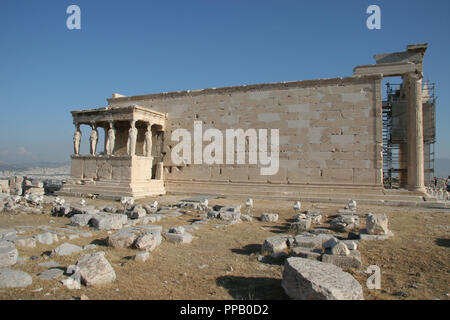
(138, 47)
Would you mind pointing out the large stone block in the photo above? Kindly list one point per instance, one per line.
(300, 226)
(95, 269)
(276, 244)
(66, 249)
(108, 221)
(122, 239)
(14, 279)
(305, 279)
(352, 260)
(377, 224)
(8, 256)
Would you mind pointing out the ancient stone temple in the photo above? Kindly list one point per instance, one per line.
(132, 162)
(329, 138)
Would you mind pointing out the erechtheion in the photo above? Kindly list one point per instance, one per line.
(330, 137)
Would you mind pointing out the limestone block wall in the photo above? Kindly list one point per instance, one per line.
(330, 130)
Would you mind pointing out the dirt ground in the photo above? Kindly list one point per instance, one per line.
(221, 262)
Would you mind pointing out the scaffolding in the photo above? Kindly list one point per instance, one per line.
(395, 134)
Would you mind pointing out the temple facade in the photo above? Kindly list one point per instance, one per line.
(329, 137)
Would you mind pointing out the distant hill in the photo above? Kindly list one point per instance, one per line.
(442, 168)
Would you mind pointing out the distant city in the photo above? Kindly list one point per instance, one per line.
(37, 171)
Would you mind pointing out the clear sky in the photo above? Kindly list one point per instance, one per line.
(138, 47)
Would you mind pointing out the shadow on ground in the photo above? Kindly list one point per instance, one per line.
(248, 249)
(284, 228)
(443, 242)
(242, 288)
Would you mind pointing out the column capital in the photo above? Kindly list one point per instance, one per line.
(415, 76)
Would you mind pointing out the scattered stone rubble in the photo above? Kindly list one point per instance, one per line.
(317, 254)
(314, 270)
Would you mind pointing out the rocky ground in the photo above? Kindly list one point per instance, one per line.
(224, 261)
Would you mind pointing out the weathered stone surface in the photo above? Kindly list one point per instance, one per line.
(148, 241)
(71, 284)
(61, 210)
(95, 269)
(90, 247)
(233, 209)
(150, 209)
(142, 256)
(344, 223)
(108, 221)
(377, 224)
(110, 209)
(212, 214)
(275, 244)
(123, 238)
(178, 238)
(306, 279)
(351, 205)
(66, 249)
(137, 212)
(6, 244)
(230, 217)
(246, 217)
(83, 210)
(51, 274)
(300, 216)
(269, 217)
(307, 241)
(177, 230)
(8, 256)
(46, 238)
(320, 231)
(330, 243)
(4, 233)
(25, 242)
(315, 218)
(351, 244)
(307, 253)
(364, 236)
(300, 226)
(14, 279)
(81, 220)
(353, 260)
(340, 249)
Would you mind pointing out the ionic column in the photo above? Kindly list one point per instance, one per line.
(77, 140)
(415, 134)
(132, 137)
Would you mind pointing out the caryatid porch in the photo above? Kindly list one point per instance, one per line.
(131, 163)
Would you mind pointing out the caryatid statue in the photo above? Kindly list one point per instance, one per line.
(93, 139)
(110, 143)
(132, 136)
(77, 140)
(148, 142)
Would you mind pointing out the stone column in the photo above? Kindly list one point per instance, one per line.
(132, 137)
(148, 141)
(402, 165)
(93, 139)
(415, 133)
(77, 140)
(110, 140)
